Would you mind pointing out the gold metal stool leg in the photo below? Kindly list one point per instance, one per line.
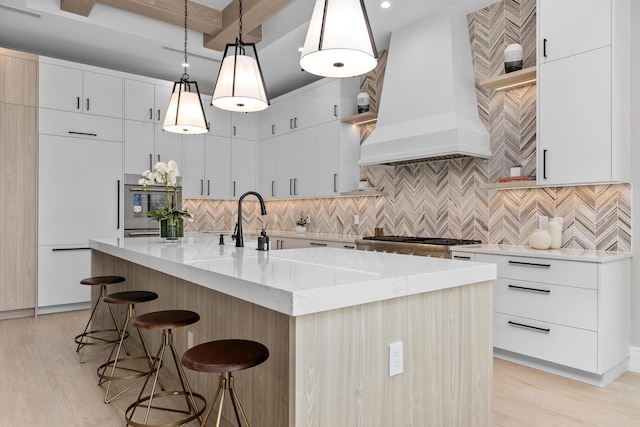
(113, 363)
(192, 410)
(226, 383)
(91, 337)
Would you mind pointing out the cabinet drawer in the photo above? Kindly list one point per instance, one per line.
(567, 346)
(75, 125)
(554, 271)
(564, 305)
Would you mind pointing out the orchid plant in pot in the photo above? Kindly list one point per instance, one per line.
(169, 217)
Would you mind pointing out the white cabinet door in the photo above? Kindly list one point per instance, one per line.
(60, 88)
(217, 168)
(102, 95)
(138, 146)
(219, 120)
(304, 163)
(285, 147)
(243, 166)
(569, 27)
(139, 100)
(318, 105)
(161, 101)
(60, 269)
(574, 119)
(267, 167)
(192, 168)
(78, 190)
(267, 121)
(244, 126)
(168, 146)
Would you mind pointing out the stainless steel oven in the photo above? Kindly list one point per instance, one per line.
(137, 202)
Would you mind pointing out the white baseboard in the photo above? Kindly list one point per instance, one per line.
(634, 359)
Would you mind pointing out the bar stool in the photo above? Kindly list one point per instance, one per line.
(130, 298)
(95, 337)
(225, 357)
(165, 320)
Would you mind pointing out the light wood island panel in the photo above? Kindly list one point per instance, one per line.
(331, 368)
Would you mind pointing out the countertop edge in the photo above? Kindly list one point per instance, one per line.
(569, 254)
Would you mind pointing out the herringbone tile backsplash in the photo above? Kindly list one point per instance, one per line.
(443, 198)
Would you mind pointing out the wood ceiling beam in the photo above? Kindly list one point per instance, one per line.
(79, 7)
(254, 13)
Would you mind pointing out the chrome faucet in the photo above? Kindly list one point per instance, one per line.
(238, 231)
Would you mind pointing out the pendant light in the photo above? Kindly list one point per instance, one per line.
(185, 113)
(240, 85)
(339, 41)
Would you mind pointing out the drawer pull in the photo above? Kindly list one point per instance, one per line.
(524, 288)
(317, 244)
(529, 264)
(533, 328)
(69, 249)
(461, 257)
(71, 132)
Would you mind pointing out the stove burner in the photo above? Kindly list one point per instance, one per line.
(424, 240)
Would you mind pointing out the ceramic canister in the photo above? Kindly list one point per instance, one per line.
(540, 239)
(513, 58)
(555, 230)
(363, 102)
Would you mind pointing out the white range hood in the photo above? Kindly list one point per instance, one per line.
(428, 107)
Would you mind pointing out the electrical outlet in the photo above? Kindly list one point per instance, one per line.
(543, 220)
(356, 219)
(189, 339)
(561, 220)
(396, 356)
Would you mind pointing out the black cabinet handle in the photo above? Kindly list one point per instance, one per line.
(118, 210)
(150, 113)
(158, 157)
(82, 133)
(234, 189)
(529, 264)
(295, 186)
(461, 257)
(335, 110)
(69, 249)
(532, 328)
(290, 123)
(544, 47)
(87, 104)
(273, 129)
(295, 123)
(544, 164)
(349, 247)
(335, 182)
(209, 188)
(77, 103)
(150, 161)
(317, 244)
(202, 187)
(234, 130)
(291, 187)
(527, 289)
(158, 116)
(273, 190)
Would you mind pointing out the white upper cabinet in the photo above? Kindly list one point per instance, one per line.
(315, 154)
(583, 102)
(219, 120)
(206, 170)
(76, 90)
(243, 166)
(139, 101)
(570, 27)
(244, 126)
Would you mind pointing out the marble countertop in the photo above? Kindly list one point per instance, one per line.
(296, 281)
(566, 254)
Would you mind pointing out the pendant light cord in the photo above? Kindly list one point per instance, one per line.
(240, 19)
(185, 76)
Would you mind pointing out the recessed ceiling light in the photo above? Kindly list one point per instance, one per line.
(385, 5)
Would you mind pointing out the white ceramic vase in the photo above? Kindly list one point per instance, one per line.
(301, 229)
(540, 239)
(555, 230)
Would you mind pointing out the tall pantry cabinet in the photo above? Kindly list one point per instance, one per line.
(18, 190)
(80, 173)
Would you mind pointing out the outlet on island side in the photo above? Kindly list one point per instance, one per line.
(356, 219)
(189, 339)
(396, 356)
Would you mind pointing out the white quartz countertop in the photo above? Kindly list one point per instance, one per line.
(566, 254)
(296, 281)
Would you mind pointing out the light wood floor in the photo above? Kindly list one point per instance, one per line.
(42, 384)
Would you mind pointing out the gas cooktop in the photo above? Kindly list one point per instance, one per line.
(423, 240)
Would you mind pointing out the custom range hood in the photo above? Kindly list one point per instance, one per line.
(428, 107)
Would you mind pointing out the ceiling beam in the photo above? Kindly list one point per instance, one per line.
(254, 13)
(79, 7)
(201, 18)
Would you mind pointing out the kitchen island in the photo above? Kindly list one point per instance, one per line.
(327, 316)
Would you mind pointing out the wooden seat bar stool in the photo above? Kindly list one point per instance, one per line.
(120, 368)
(90, 336)
(165, 320)
(225, 357)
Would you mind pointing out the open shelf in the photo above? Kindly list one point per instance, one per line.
(362, 118)
(510, 185)
(511, 80)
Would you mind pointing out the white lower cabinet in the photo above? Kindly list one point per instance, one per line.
(301, 243)
(562, 313)
(60, 269)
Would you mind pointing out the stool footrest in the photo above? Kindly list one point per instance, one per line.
(128, 414)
